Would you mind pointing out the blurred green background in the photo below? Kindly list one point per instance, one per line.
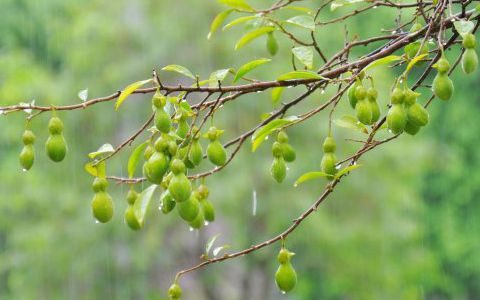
(404, 226)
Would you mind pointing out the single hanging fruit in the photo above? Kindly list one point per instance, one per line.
(27, 156)
(215, 151)
(372, 96)
(469, 61)
(352, 99)
(416, 114)
(156, 167)
(396, 116)
(102, 207)
(329, 160)
(362, 108)
(183, 128)
(288, 152)
(442, 85)
(174, 292)
(208, 210)
(131, 219)
(132, 196)
(163, 121)
(196, 152)
(278, 169)
(179, 187)
(56, 147)
(272, 45)
(189, 209)
(411, 128)
(199, 220)
(285, 277)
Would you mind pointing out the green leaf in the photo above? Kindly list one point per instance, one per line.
(350, 122)
(141, 205)
(251, 35)
(98, 170)
(210, 243)
(261, 134)
(218, 75)
(300, 8)
(305, 21)
(134, 159)
(217, 250)
(238, 4)
(299, 75)
(341, 3)
(249, 67)
(304, 55)
(415, 60)
(346, 170)
(277, 94)
(217, 22)
(105, 148)
(309, 176)
(463, 27)
(239, 21)
(382, 61)
(130, 89)
(179, 69)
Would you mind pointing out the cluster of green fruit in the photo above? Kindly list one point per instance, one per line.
(469, 57)
(282, 152)
(405, 114)
(56, 146)
(328, 164)
(364, 101)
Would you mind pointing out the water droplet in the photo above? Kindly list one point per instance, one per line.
(389, 131)
(288, 168)
(400, 81)
(254, 202)
(190, 229)
(338, 167)
(375, 7)
(393, 32)
(97, 222)
(266, 138)
(160, 206)
(220, 106)
(283, 292)
(289, 87)
(322, 91)
(24, 170)
(258, 92)
(206, 223)
(295, 184)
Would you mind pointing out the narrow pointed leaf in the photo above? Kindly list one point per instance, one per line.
(382, 61)
(239, 21)
(249, 67)
(299, 75)
(218, 21)
(217, 250)
(238, 4)
(251, 35)
(210, 243)
(130, 89)
(135, 158)
(346, 170)
(277, 94)
(179, 69)
(261, 134)
(98, 170)
(141, 205)
(341, 3)
(309, 176)
(415, 60)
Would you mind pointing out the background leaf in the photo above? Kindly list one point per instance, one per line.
(304, 55)
(277, 94)
(141, 205)
(134, 158)
(463, 27)
(350, 122)
(217, 22)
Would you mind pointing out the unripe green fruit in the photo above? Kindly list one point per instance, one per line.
(159, 100)
(212, 133)
(56, 147)
(198, 222)
(469, 41)
(102, 207)
(363, 111)
(216, 153)
(352, 99)
(203, 191)
(411, 49)
(28, 137)
(329, 145)
(149, 150)
(442, 65)
(272, 45)
(182, 152)
(168, 203)
(443, 86)
(183, 128)
(172, 148)
(372, 93)
(161, 144)
(411, 128)
(469, 61)
(99, 184)
(208, 210)
(286, 277)
(410, 97)
(396, 118)
(196, 153)
(288, 152)
(156, 167)
(188, 210)
(277, 150)
(278, 169)
(55, 126)
(162, 120)
(174, 292)
(282, 137)
(131, 219)
(328, 163)
(360, 92)
(417, 115)
(180, 188)
(375, 109)
(132, 196)
(284, 256)
(177, 167)
(27, 156)
(397, 97)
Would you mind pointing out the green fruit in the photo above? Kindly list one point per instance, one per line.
(375, 109)
(161, 144)
(410, 97)
(149, 150)
(208, 210)
(102, 207)
(272, 45)
(168, 203)
(216, 153)
(203, 191)
(183, 128)
(412, 49)
(411, 128)
(55, 126)
(443, 86)
(352, 99)
(286, 277)
(213, 133)
(469, 61)
(28, 137)
(188, 210)
(99, 185)
(360, 92)
(442, 65)
(288, 152)
(278, 169)
(56, 147)
(177, 167)
(329, 145)
(284, 256)
(364, 112)
(162, 120)
(27, 156)
(159, 100)
(172, 148)
(277, 149)
(282, 137)
(469, 41)
(131, 219)
(132, 196)
(328, 163)
(417, 115)
(397, 97)
(174, 292)
(180, 188)
(196, 153)
(156, 167)
(198, 222)
(396, 118)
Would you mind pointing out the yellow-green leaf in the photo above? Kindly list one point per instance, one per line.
(251, 35)
(130, 89)
(249, 67)
(350, 122)
(179, 69)
(382, 61)
(299, 75)
(105, 148)
(217, 22)
(97, 170)
(309, 176)
(305, 21)
(346, 170)
(141, 205)
(238, 4)
(262, 133)
(134, 158)
(415, 60)
(239, 21)
(277, 94)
